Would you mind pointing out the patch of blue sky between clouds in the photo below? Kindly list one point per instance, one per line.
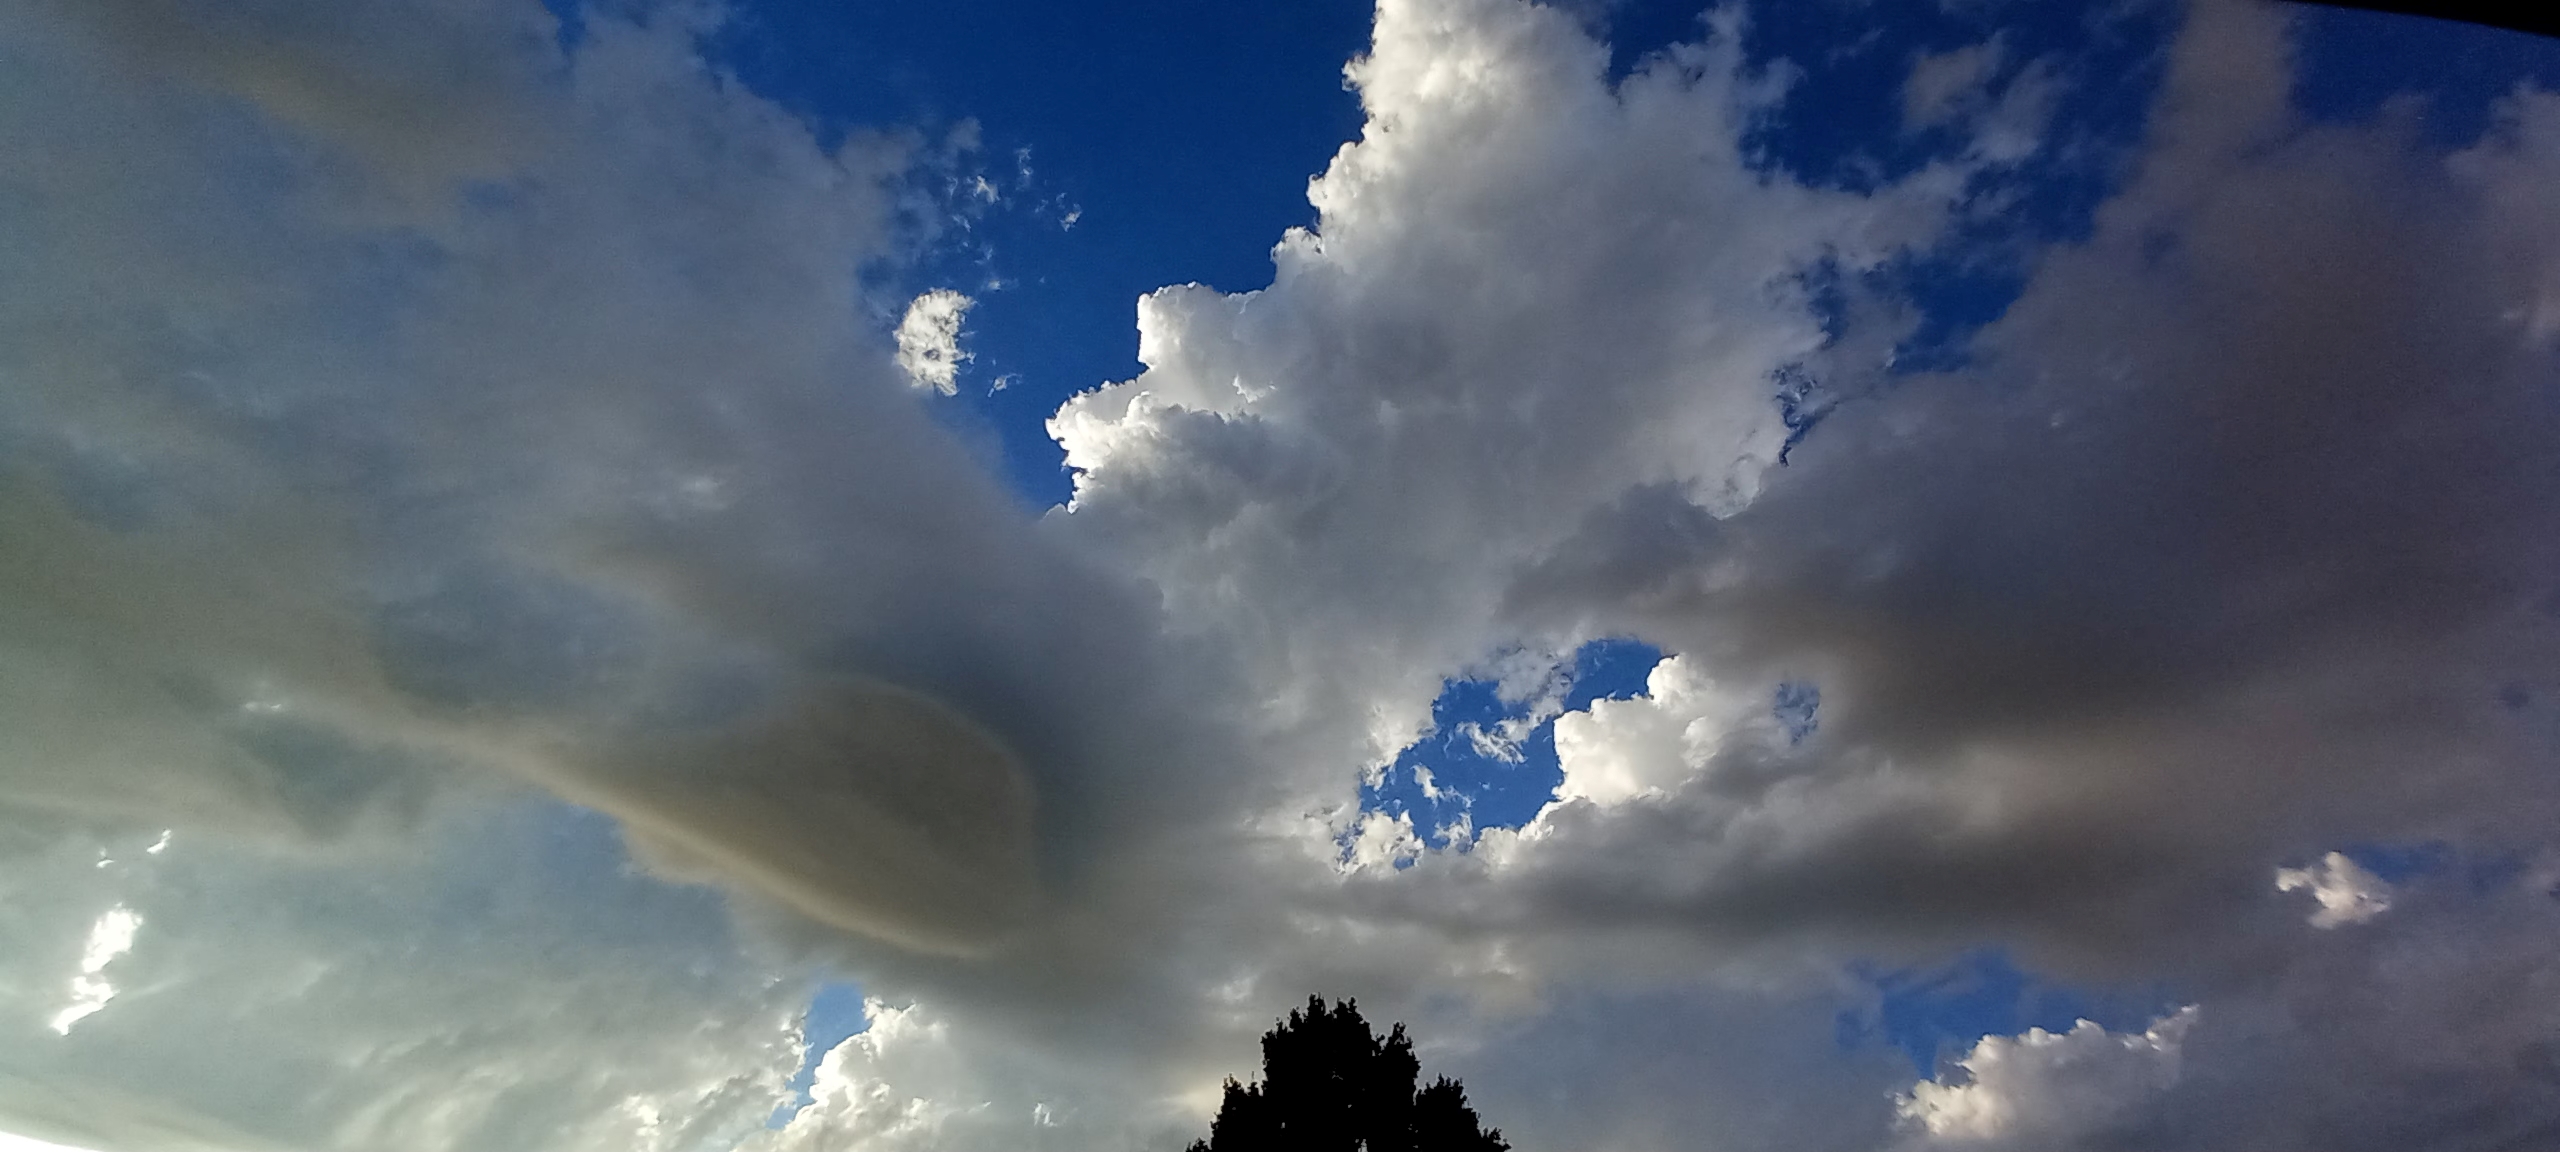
(2048, 107)
(1842, 124)
(1933, 1013)
(1797, 707)
(2401, 863)
(572, 15)
(1193, 177)
(2061, 85)
(1125, 147)
(2485, 873)
(2351, 64)
(836, 1014)
(2479, 870)
(1492, 760)
(2451, 870)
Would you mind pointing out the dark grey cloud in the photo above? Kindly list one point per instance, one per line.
(580, 460)
(2233, 545)
(403, 416)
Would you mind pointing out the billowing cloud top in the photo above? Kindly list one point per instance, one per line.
(488, 616)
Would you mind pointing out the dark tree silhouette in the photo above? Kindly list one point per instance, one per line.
(1329, 1084)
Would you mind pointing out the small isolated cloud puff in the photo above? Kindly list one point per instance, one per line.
(1381, 841)
(110, 937)
(929, 339)
(2348, 894)
(2047, 1089)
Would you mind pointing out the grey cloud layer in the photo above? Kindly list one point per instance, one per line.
(399, 412)
(587, 468)
(507, 984)
(2233, 547)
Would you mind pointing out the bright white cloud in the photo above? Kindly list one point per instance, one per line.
(1655, 743)
(857, 1098)
(1475, 349)
(110, 937)
(2046, 1089)
(911, 1083)
(1379, 840)
(2346, 891)
(929, 339)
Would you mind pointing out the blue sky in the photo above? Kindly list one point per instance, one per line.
(1865, 574)
(1074, 115)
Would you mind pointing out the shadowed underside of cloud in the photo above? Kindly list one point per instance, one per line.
(2226, 552)
(543, 434)
(402, 416)
(366, 475)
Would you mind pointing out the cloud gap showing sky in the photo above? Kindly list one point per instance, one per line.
(1491, 752)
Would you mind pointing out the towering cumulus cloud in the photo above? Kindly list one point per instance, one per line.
(1526, 295)
(488, 615)
(2232, 543)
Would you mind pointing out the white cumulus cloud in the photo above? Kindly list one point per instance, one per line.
(1657, 742)
(2047, 1089)
(2347, 892)
(929, 339)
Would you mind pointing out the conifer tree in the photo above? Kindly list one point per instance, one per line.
(1330, 1084)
